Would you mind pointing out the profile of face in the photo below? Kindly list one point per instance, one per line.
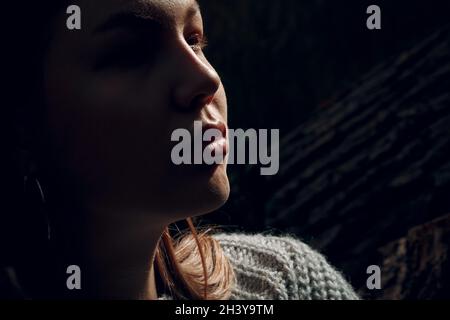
(116, 90)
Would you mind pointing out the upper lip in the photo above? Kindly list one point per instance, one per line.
(219, 125)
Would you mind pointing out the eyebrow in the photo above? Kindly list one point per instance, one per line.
(145, 15)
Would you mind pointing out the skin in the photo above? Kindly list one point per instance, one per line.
(114, 94)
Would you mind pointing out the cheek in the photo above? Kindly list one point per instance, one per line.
(110, 127)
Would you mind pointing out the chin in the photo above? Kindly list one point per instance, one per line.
(215, 192)
(203, 193)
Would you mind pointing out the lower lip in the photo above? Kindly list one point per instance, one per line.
(216, 146)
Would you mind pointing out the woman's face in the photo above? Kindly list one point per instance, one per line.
(117, 89)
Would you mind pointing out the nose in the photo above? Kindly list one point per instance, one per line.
(196, 81)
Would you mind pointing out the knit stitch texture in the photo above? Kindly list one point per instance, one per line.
(271, 267)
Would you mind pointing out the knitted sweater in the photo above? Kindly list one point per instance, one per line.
(280, 268)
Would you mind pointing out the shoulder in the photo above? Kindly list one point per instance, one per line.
(271, 267)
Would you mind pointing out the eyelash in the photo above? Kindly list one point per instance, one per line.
(200, 42)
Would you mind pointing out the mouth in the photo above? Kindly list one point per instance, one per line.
(216, 143)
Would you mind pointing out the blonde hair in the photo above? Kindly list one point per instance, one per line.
(193, 265)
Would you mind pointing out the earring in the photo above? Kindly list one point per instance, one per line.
(31, 187)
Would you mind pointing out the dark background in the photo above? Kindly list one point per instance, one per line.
(364, 123)
(281, 59)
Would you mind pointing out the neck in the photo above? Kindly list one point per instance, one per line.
(115, 250)
(121, 256)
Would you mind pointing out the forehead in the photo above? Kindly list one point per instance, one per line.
(171, 9)
(166, 11)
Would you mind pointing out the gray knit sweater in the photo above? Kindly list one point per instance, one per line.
(280, 268)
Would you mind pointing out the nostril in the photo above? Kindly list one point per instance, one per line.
(209, 99)
(201, 101)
